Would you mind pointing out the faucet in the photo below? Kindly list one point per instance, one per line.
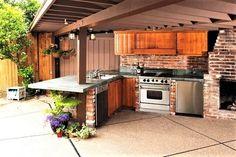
(96, 73)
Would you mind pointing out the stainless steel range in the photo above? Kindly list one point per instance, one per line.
(154, 93)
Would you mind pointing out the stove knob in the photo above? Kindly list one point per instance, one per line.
(156, 80)
(166, 81)
(152, 80)
(162, 81)
(144, 80)
(148, 80)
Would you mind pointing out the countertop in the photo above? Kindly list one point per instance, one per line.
(69, 83)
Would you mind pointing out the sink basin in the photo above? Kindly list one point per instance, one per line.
(106, 77)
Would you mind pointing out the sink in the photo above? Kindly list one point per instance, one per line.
(106, 77)
(96, 80)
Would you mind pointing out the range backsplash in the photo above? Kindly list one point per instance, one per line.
(168, 62)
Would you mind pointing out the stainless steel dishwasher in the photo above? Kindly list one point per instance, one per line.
(189, 97)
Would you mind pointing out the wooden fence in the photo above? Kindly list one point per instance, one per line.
(8, 74)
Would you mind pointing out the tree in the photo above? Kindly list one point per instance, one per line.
(15, 20)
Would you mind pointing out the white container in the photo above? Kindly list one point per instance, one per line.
(16, 93)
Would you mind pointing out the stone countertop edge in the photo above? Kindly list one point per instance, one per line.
(187, 79)
(69, 84)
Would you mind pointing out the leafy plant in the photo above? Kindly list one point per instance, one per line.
(72, 128)
(86, 132)
(60, 129)
(53, 48)
(62, 103)
(15, 19)
(27, 75)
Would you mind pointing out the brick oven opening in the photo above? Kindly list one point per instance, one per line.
(228, 95)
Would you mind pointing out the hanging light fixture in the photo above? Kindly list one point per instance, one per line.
(71, 36)
(92, 36)
(65, 22)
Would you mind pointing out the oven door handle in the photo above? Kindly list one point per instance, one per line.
(156, 88)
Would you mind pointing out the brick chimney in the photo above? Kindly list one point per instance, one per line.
(221, 66)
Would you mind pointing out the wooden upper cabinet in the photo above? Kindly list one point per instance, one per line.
(155, 43)
(145, 43)
(192, 43)
(124, 43)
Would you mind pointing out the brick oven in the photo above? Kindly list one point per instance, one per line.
(220, 82)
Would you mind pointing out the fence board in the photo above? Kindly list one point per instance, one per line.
(8, 74)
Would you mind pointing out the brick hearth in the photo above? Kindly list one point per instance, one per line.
(222, 65)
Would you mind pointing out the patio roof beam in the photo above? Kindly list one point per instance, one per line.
(121, 10)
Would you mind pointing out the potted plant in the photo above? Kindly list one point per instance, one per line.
(86, 132)
(60, 131)
(71, 129)
(67, 54)
(57, 115)
(56, 121)
(53, 49)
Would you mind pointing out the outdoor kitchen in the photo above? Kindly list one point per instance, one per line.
(137, 78)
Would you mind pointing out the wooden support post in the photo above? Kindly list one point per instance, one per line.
(81, 56)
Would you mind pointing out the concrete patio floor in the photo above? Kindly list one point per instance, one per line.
(126, 134)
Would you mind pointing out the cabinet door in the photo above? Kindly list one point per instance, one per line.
(114, 96)
(192, 43)
(124, 43)
(128, 92)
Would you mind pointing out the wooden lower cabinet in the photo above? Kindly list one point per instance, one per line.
(114, 96)
(128, 92)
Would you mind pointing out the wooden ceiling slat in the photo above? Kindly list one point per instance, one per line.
(144, 23)
(156, 18)
(104, 2)
(71, 9)
(195, 12)
(59, 18)
(219, 6)
(79, 4)
(66, 14)
(121, 10)
(78, 7)
(177, 16)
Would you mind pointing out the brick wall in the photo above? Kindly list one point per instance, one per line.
(222, 65)
(91, 107)
(169, 62)
(172, 97)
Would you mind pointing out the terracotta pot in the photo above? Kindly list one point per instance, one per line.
(56, 55)
(60, 134)
(66, 56)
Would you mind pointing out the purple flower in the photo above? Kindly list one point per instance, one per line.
(55, 123)
(58, 120)
(63, 117)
